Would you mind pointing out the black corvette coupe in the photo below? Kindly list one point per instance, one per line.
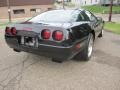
(59, 34)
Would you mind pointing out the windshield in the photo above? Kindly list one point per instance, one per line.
(53, 16)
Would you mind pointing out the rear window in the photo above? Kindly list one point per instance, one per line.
(53, 16)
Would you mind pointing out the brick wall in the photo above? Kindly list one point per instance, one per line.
(27, 11)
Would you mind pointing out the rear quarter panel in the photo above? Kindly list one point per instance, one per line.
(80, 30)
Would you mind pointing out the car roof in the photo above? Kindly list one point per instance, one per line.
(68, 10)
(62, 11)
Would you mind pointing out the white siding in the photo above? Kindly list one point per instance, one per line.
(77, 1)
(86, 2)
(93, 2)
(108, 1)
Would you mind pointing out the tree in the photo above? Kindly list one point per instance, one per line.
(63, 4)
(9, 11)
(110, 12)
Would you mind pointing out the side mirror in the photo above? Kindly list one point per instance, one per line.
(99, 18)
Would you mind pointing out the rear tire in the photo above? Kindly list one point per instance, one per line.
(16, 50)
(57, 60)
(86, 53)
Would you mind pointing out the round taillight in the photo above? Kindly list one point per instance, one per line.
(46, 34)
(13, 31)
(8, 30)
(58, 35)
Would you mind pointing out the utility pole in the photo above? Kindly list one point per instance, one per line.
(110, 13)
(9, 11)
(63, 3)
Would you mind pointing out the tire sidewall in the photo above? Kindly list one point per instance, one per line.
(87, 47)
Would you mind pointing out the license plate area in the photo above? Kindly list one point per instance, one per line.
(29, 41)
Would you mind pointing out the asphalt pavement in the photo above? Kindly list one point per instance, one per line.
(25, 71)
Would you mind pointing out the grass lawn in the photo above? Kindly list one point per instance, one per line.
(114, 27)
(100, 9)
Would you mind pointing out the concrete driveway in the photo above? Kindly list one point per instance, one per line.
(24, 71)
(115, 17)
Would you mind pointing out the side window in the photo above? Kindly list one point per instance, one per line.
(80, 17)
(85, 16)
(91, 16)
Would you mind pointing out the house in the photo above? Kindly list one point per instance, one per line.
(60, 1)
(24, 8)
(94, 2)
(85, 2)
(107, 2)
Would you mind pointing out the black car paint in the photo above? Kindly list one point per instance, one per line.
(75, 33)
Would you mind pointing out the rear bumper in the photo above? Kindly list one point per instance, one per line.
(45, 50)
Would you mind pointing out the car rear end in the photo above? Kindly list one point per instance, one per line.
(44, 40)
